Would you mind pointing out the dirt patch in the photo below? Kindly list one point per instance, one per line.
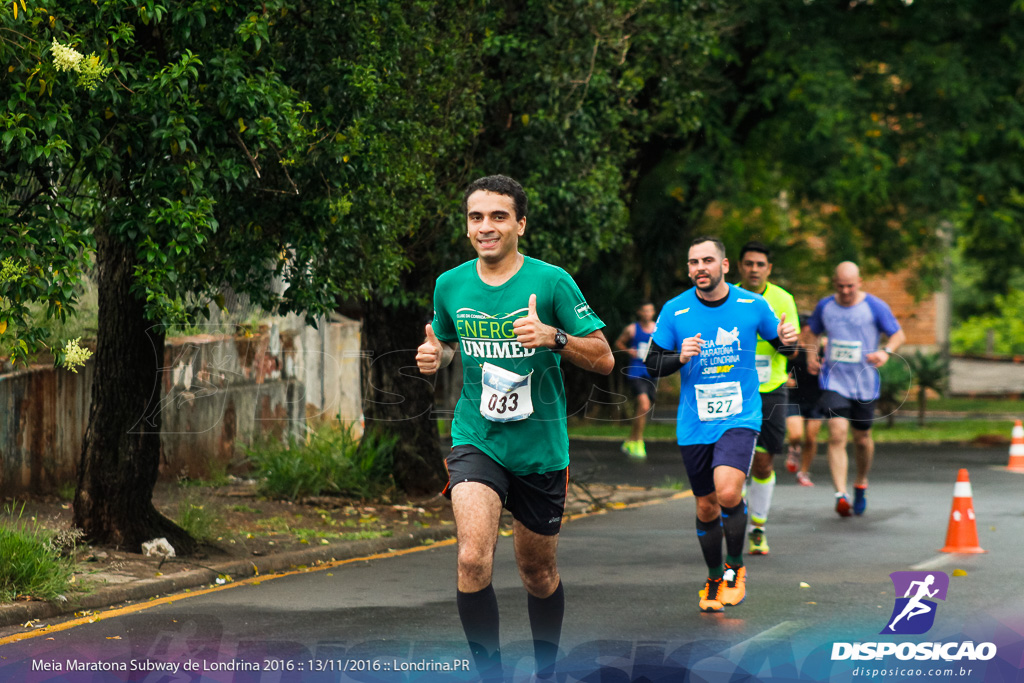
(243, 525)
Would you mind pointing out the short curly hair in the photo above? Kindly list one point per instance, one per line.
(499, 184)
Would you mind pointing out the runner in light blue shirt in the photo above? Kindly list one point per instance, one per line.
(853, 321)
(709, 335)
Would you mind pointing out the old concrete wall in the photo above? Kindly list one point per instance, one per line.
(42, 420)
(924, 322)
(327, 360)
(217, 392)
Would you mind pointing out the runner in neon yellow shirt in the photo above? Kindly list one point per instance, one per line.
(755, 267)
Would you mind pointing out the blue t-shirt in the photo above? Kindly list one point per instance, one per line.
(719, 388)
(853, 333)
(641, 342)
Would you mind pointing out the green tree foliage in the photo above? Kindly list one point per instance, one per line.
(193, 158)
(564, 97)
(877, 123)
(574, 92)
(579, 100)
(1000, 333)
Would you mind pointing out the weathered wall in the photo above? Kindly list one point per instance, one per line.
(924, 322)
(218, 392)
(42, 420)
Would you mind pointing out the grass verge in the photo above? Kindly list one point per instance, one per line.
(330, 462)
(34, 562)
(202, 520)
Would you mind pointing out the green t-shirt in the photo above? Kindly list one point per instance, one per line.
(770, 363)
(479, 317)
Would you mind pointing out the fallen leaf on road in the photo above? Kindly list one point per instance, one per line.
(804, 584)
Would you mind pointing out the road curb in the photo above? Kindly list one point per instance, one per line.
(19, 613)
(145, 589)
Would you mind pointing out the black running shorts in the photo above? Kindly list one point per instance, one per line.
(642, 385)
(773, 421)
(860, 414)
(537, 501)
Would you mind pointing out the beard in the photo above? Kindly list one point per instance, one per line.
(713, 281)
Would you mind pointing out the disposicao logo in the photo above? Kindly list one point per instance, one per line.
(914, 614)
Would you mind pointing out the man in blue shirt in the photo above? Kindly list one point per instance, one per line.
(853, 321)
(635, 340)
(709, 334)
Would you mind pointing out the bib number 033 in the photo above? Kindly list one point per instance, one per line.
(505, 396)
(499, 405)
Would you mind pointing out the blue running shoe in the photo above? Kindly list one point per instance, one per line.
(860, 501)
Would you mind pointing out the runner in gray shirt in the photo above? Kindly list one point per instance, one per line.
(853, 321)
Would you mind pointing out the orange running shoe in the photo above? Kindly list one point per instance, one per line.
(734, 585)
(711, 596)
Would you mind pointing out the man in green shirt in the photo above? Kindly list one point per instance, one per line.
(755, 267)
(513, 319)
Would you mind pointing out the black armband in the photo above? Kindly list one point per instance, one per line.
(660, 362)
(789, 351)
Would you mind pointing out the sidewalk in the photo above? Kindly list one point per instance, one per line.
(114, 577)
(982, 377)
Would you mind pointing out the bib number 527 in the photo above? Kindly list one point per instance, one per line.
(719, 407)
(718, 401)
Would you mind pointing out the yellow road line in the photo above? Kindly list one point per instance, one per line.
(255, 580)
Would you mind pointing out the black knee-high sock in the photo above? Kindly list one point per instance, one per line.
(734, 525)
(479, 614)
(710, 536)
(546, 624)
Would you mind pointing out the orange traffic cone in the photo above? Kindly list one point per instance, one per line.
(1016, 463)
(962, 535)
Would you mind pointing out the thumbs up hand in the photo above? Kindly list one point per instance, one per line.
(428, 355)
(530, 331)
(788, 333)
(691, 347)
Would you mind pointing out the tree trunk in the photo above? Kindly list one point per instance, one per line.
(121, 447)
(397, 398)
(922, 398)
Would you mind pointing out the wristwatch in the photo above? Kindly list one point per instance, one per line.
(561, 339)
(888, 350)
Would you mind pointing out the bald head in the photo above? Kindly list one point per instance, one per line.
(846, 282)
(847, 270)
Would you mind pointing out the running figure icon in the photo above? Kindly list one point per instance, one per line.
(915, 606)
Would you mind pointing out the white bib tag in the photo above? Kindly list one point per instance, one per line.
(505, 396)
(642, 349)
(764, 368)
(718, 401)
(844, 351)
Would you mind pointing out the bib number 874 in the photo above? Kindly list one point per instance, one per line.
(503, 404)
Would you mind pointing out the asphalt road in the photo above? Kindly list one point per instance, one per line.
(631, 579)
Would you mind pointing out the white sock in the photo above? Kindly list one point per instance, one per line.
(759, 500)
